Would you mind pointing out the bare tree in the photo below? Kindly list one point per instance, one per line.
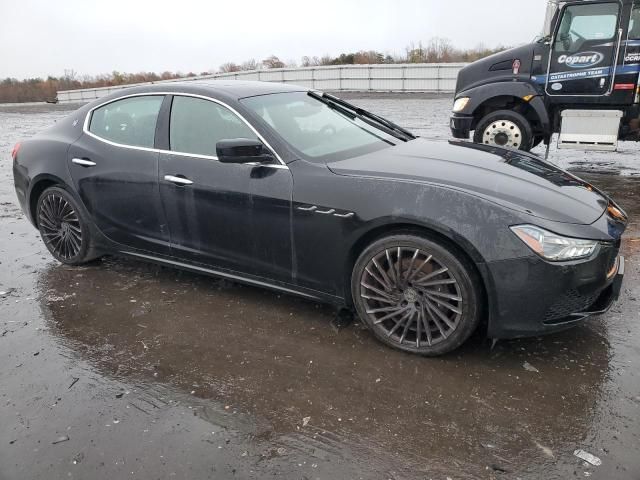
(368, 57)
(439, 50)
(229, 67)
(273, 62)
(70, 74)
(249, 65)
(310, 61)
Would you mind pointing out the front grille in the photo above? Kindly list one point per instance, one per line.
(571, 302)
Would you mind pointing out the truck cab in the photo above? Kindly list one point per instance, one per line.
(579, 78)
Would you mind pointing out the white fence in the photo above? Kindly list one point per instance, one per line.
(414, 77)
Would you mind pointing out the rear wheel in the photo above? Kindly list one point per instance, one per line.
(63, 227)
(416, 295)
(504, 128)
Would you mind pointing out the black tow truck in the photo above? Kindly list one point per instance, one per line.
(578, 79)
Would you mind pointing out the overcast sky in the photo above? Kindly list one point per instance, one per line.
(45, 37)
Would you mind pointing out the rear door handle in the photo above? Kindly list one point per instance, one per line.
(178, 180)
(83, 162)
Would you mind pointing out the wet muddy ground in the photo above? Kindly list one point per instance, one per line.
(123, 369)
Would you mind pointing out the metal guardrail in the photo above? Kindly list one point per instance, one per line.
(412, 77)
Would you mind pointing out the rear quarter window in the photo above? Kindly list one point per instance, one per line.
(130, 121)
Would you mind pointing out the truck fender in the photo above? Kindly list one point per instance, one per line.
(479, 95)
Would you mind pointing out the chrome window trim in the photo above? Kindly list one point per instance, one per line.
(87, 120)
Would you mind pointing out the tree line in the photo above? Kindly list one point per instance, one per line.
(437, 50)
(44, 90)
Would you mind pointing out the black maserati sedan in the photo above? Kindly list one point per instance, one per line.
(298, 191)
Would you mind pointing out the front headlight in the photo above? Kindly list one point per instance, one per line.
(554, 247)
(460, 104)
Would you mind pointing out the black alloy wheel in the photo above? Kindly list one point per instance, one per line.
(62, 227)
(416, 295)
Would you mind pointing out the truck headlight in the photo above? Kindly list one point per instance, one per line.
(460, 104)
(552, 246)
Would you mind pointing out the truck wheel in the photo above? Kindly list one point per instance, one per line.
(504, 128)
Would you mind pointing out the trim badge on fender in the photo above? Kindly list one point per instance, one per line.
(315, 209)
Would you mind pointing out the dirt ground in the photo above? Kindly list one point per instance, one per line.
(123, 369)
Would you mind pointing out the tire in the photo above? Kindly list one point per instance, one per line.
(505, 128)
(419, 311)
(64, 227)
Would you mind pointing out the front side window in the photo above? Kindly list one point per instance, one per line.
(130, 121)
(314, 129)
(582, 23)
(197, 125)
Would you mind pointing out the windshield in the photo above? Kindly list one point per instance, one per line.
(317, 131)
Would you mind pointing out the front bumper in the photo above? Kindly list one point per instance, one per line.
(461, 125)
(603, 303)
(532, 297)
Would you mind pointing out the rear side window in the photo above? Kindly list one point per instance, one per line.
(130, 121)
(197, 125)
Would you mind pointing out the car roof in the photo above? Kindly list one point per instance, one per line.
(248, 89)
(235, 89)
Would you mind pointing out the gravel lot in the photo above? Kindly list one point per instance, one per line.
(124, 369)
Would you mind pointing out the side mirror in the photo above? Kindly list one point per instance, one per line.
(243, 150)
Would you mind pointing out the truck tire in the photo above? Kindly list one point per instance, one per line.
(504, 128)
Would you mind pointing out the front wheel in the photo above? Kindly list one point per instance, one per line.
(505, 128)
(416, 294)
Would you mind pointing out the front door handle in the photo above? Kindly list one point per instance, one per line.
(83, 162)
(178, 180)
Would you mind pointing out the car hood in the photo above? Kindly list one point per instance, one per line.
(514, 179)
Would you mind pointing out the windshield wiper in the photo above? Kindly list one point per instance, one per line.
(368, 117)
(333, 105)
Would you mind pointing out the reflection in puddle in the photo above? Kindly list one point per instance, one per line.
(278, 360)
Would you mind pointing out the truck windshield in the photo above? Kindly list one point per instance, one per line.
(317, 131)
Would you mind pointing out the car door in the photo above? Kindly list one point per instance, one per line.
(230, 216)
(584, 50)
(114, 166)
